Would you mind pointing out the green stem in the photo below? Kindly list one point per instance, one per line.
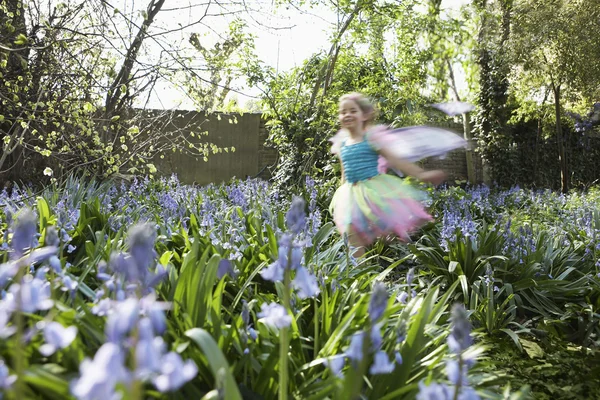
(19, 356)
(284, 338)
(460, 382)
(316, 322)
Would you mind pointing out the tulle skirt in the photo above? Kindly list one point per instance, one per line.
(381, 206)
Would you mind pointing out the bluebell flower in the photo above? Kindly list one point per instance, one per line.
(7, 271)
(410, 276)
(273, 272)
(274, 315)
(305, 284)
(295, 218)
(398, 358)
(336, 364)
(381, 364)
(225, 268)
(155, 310)
(55, 264)
(103, 307)
(25, 229)
(460, 334)
(6, 380)
(141, 239)
(71, 248)
(434, 391)
(378, 302)
(69, 285)
(252, 333)
(52, 238)
(149, 350)
(402, 297)
(34, 294)
(245, 313)
(376, 339)
(100, 376)
(122, 320)
(174, 373)
(57, 337)
(455, 376)
(5, 316)
(355, 349)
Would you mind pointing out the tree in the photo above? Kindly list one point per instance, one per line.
(554, 46)
(73, 73)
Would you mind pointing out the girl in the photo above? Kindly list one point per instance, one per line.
(370, 203)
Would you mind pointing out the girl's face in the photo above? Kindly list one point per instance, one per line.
(351, 116)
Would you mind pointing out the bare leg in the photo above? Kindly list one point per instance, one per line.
(356, 243)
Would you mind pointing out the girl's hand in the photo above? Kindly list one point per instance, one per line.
(435, 176)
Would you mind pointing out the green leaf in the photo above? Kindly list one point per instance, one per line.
(216, 361)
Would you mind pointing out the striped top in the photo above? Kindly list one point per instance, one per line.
(360, 161)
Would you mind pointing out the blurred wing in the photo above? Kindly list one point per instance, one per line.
(454, 108)
(417, 142)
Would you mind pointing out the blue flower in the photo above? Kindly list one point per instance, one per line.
(149, 350)
(460, 335)
(141, 240)
(295, 218)
(6, 380)
(174, 373)
(34, 294)
(355, 349)
(57, 337)
(25, 229)
(336, 364)
(100, 376)
(381, 364)
(274, 315)
(378, 303)
(434, 391)
(305, 284)
(122, 320)
(225, 268)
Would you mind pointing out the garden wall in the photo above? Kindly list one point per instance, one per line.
(251, 157)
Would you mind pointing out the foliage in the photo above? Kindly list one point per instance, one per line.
(73, 75)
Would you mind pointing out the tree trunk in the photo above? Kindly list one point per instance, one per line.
(562, 159)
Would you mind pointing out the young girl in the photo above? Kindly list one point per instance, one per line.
(370, 203)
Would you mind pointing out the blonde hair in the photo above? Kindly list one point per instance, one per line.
(365, 105)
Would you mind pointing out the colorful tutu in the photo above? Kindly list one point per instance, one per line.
(378, 207)
(373, 204)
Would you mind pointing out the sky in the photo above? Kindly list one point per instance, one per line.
(284, 36)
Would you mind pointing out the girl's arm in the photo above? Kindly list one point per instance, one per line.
(435, 176)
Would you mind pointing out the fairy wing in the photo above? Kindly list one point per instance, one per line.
(415, 143)
(454, 108)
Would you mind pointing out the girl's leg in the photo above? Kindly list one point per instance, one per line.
(355, 242)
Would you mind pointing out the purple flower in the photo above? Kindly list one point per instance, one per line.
(402, 297)
(434, 391)
(24, 229)
(141, 240)
(305, 284)
(5, 330)
(355, 350)
(225, 268)
(52, 238)
(460, 336)
(6, 380)
(34, 294)
(381, 364)
(122, 320)
(378, 303)
(7, 271)
(55, 264)
(57, 337)
(295, 218)
(274, 315)
(174, 373)
(336, 364)
(102, 308)
(149, 350)
(100, 376)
